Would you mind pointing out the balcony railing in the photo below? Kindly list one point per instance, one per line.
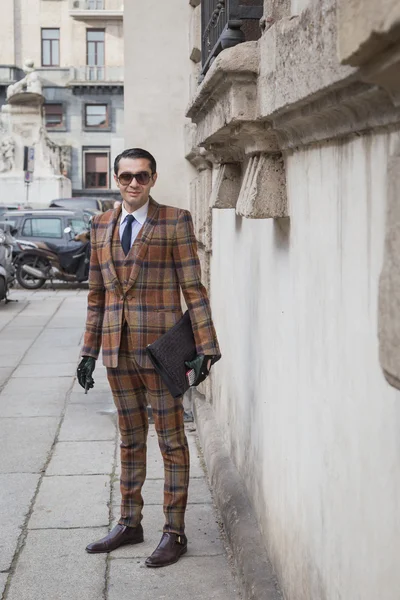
(96, 75)
(221, 25)
(96, 9)
(10, 74)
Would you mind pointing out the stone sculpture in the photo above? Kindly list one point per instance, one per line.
(7, 150)
(30, 83)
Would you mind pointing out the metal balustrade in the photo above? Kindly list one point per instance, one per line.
(96, 5)
(93, 74)
(221, 25)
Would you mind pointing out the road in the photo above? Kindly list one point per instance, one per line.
(59, 475)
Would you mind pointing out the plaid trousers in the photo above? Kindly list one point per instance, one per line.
(132, 386)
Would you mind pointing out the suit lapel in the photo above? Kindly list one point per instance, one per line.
(108, 245)
(144, 240)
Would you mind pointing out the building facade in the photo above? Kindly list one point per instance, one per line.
(294, 143)
(77, 49)
(157, 91)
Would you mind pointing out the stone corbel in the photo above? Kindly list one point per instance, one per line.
(263, 191)
(197, 156)
(384, 72)
(226, 189)
(228, 95)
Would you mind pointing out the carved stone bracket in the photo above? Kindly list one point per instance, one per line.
(263, 192)
(226, 189)
(200, 194)
(384, 72)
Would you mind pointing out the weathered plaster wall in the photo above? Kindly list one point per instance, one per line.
(307, 414)
(157, 73)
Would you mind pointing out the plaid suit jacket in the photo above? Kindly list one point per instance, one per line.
(165, 261)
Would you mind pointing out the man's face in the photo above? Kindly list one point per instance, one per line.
(135, 194)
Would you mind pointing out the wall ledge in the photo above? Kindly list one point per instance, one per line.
(229, 492)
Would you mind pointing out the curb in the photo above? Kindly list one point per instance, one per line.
(254, 568)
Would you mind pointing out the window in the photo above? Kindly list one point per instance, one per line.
(54, 116)
(77, 225)
(96, 169)
(95, 47)
(50, 47)
(95, 54)
(96, 115)
(45, 228)
(96, 4)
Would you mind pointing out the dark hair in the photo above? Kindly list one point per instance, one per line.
(136, 153)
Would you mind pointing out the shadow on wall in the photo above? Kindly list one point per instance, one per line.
(282, 233)
(238, 222)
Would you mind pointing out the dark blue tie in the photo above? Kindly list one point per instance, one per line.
(127, 235)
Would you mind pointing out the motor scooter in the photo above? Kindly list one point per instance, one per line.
(7, 270)
(50, 262)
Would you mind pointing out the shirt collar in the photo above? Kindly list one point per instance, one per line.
(140, 214)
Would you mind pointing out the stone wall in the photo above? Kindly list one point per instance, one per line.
(295, 140)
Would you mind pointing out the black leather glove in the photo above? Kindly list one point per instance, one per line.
(201, 365)
(85, 372)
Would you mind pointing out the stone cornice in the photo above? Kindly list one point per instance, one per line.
(239, 112)
(236, 66)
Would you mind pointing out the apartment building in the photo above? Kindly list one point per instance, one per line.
(77, 49)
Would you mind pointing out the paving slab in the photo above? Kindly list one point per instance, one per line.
(195, 578)
(3, 581)
(33, 321)
(64, 318)
(82, 458)
(87, 422)
(76, 501)
(57, 385)
(31, 404)
(54, 566)
(25, 443)
(153, 491)
(13, 346)
(5, 373)
(51, 356)
(201, 528)
(94, 397)
(100, 385)
(13, 332)
(17, 491)
(51, 337)
(43, 370)
(11, 360)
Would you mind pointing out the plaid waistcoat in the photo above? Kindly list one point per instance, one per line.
(123, 264)
(143, 288)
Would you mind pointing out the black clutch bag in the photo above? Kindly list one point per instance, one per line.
(170, 352)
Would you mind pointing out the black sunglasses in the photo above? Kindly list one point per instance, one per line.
(143, 178)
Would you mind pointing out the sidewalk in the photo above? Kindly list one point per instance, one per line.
(59, 475)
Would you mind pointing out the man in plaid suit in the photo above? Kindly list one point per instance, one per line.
(143, 254)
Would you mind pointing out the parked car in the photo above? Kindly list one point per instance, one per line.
(46, 226)
(82, 202)
(8, 207)
(7, 270)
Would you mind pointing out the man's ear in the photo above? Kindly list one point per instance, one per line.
(116, 179)
(155, 176)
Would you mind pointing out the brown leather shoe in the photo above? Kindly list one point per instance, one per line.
(119, 536)
(168, 551)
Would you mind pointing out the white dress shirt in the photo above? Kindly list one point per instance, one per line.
(140, 216)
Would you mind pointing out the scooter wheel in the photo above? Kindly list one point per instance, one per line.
(29, 282)
(3, 288)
